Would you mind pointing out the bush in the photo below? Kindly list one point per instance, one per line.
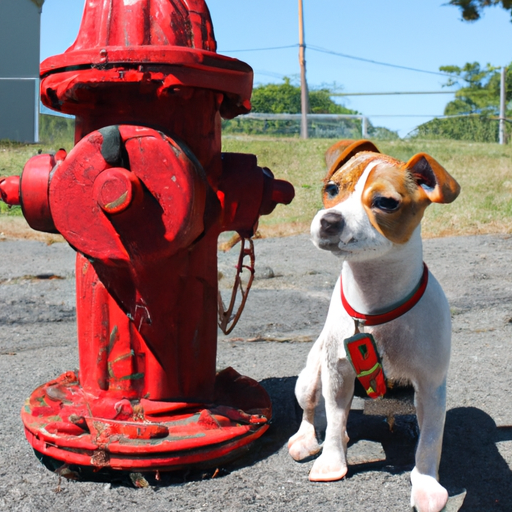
(56, 130)
(474, 128)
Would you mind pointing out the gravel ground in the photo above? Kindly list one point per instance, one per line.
(284, 314)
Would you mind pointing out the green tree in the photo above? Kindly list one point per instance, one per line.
(477, 102)
(56, 129)
(285, 99)
(480, 93)
(472, 9)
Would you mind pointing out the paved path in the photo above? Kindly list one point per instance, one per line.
(285, 313)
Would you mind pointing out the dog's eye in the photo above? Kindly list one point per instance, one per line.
(387, 204)
(331, 189)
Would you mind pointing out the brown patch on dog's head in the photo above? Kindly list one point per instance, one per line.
(396, 196)
(393, 202)
(341, 184)
(342, 151)
(346, 160)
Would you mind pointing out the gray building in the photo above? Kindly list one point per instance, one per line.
(20, 22)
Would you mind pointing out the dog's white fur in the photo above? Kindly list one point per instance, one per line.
(415, 348)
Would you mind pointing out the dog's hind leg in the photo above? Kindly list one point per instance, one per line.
(304, 443)
(428, 495)
(338, 389)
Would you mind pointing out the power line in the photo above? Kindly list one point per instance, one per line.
(346, 56)
(468, 93)
(268, 73)
(338, 54)
(437, 116)
(408, 115)
(388, 93)
(262, 49)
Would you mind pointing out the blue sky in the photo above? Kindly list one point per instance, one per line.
(422, 34)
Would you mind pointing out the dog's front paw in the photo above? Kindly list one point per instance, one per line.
(428, 495)
(328, 468)
(303, 444)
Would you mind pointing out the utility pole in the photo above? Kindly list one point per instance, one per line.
(503, 97)
(303, 83)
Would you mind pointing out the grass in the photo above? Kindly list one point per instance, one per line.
(13, 157)
(484, 172)
(301, 163)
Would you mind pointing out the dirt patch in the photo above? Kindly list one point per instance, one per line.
(16, 228)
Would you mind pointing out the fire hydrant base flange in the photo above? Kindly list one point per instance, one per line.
(64, 423)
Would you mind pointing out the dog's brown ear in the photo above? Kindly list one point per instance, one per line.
(343, 151)
(433, 178)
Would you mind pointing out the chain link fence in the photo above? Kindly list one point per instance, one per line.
(470, 128)
(319, 125)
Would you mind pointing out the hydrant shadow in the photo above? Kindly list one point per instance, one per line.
(286, 415)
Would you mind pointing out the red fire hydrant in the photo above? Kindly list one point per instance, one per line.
(142, 198)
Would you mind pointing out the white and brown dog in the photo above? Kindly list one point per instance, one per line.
(373, 208)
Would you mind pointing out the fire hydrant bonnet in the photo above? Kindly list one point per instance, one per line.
(167, 45)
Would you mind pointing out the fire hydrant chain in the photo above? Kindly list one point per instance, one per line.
(228, 320)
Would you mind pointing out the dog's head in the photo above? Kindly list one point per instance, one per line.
(373, 201)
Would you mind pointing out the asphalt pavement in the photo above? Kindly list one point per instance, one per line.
(284, 314)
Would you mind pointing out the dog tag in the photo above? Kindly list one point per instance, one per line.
(364, 357)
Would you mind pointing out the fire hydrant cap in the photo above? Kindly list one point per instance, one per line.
(178, 43)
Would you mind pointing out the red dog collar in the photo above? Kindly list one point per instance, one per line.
(394, 313)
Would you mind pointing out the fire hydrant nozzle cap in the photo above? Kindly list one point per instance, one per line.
(115, 189)
(10, 190)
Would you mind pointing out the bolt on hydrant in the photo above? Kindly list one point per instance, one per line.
(142, 198)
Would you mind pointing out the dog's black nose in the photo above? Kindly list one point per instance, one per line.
(332, 223)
